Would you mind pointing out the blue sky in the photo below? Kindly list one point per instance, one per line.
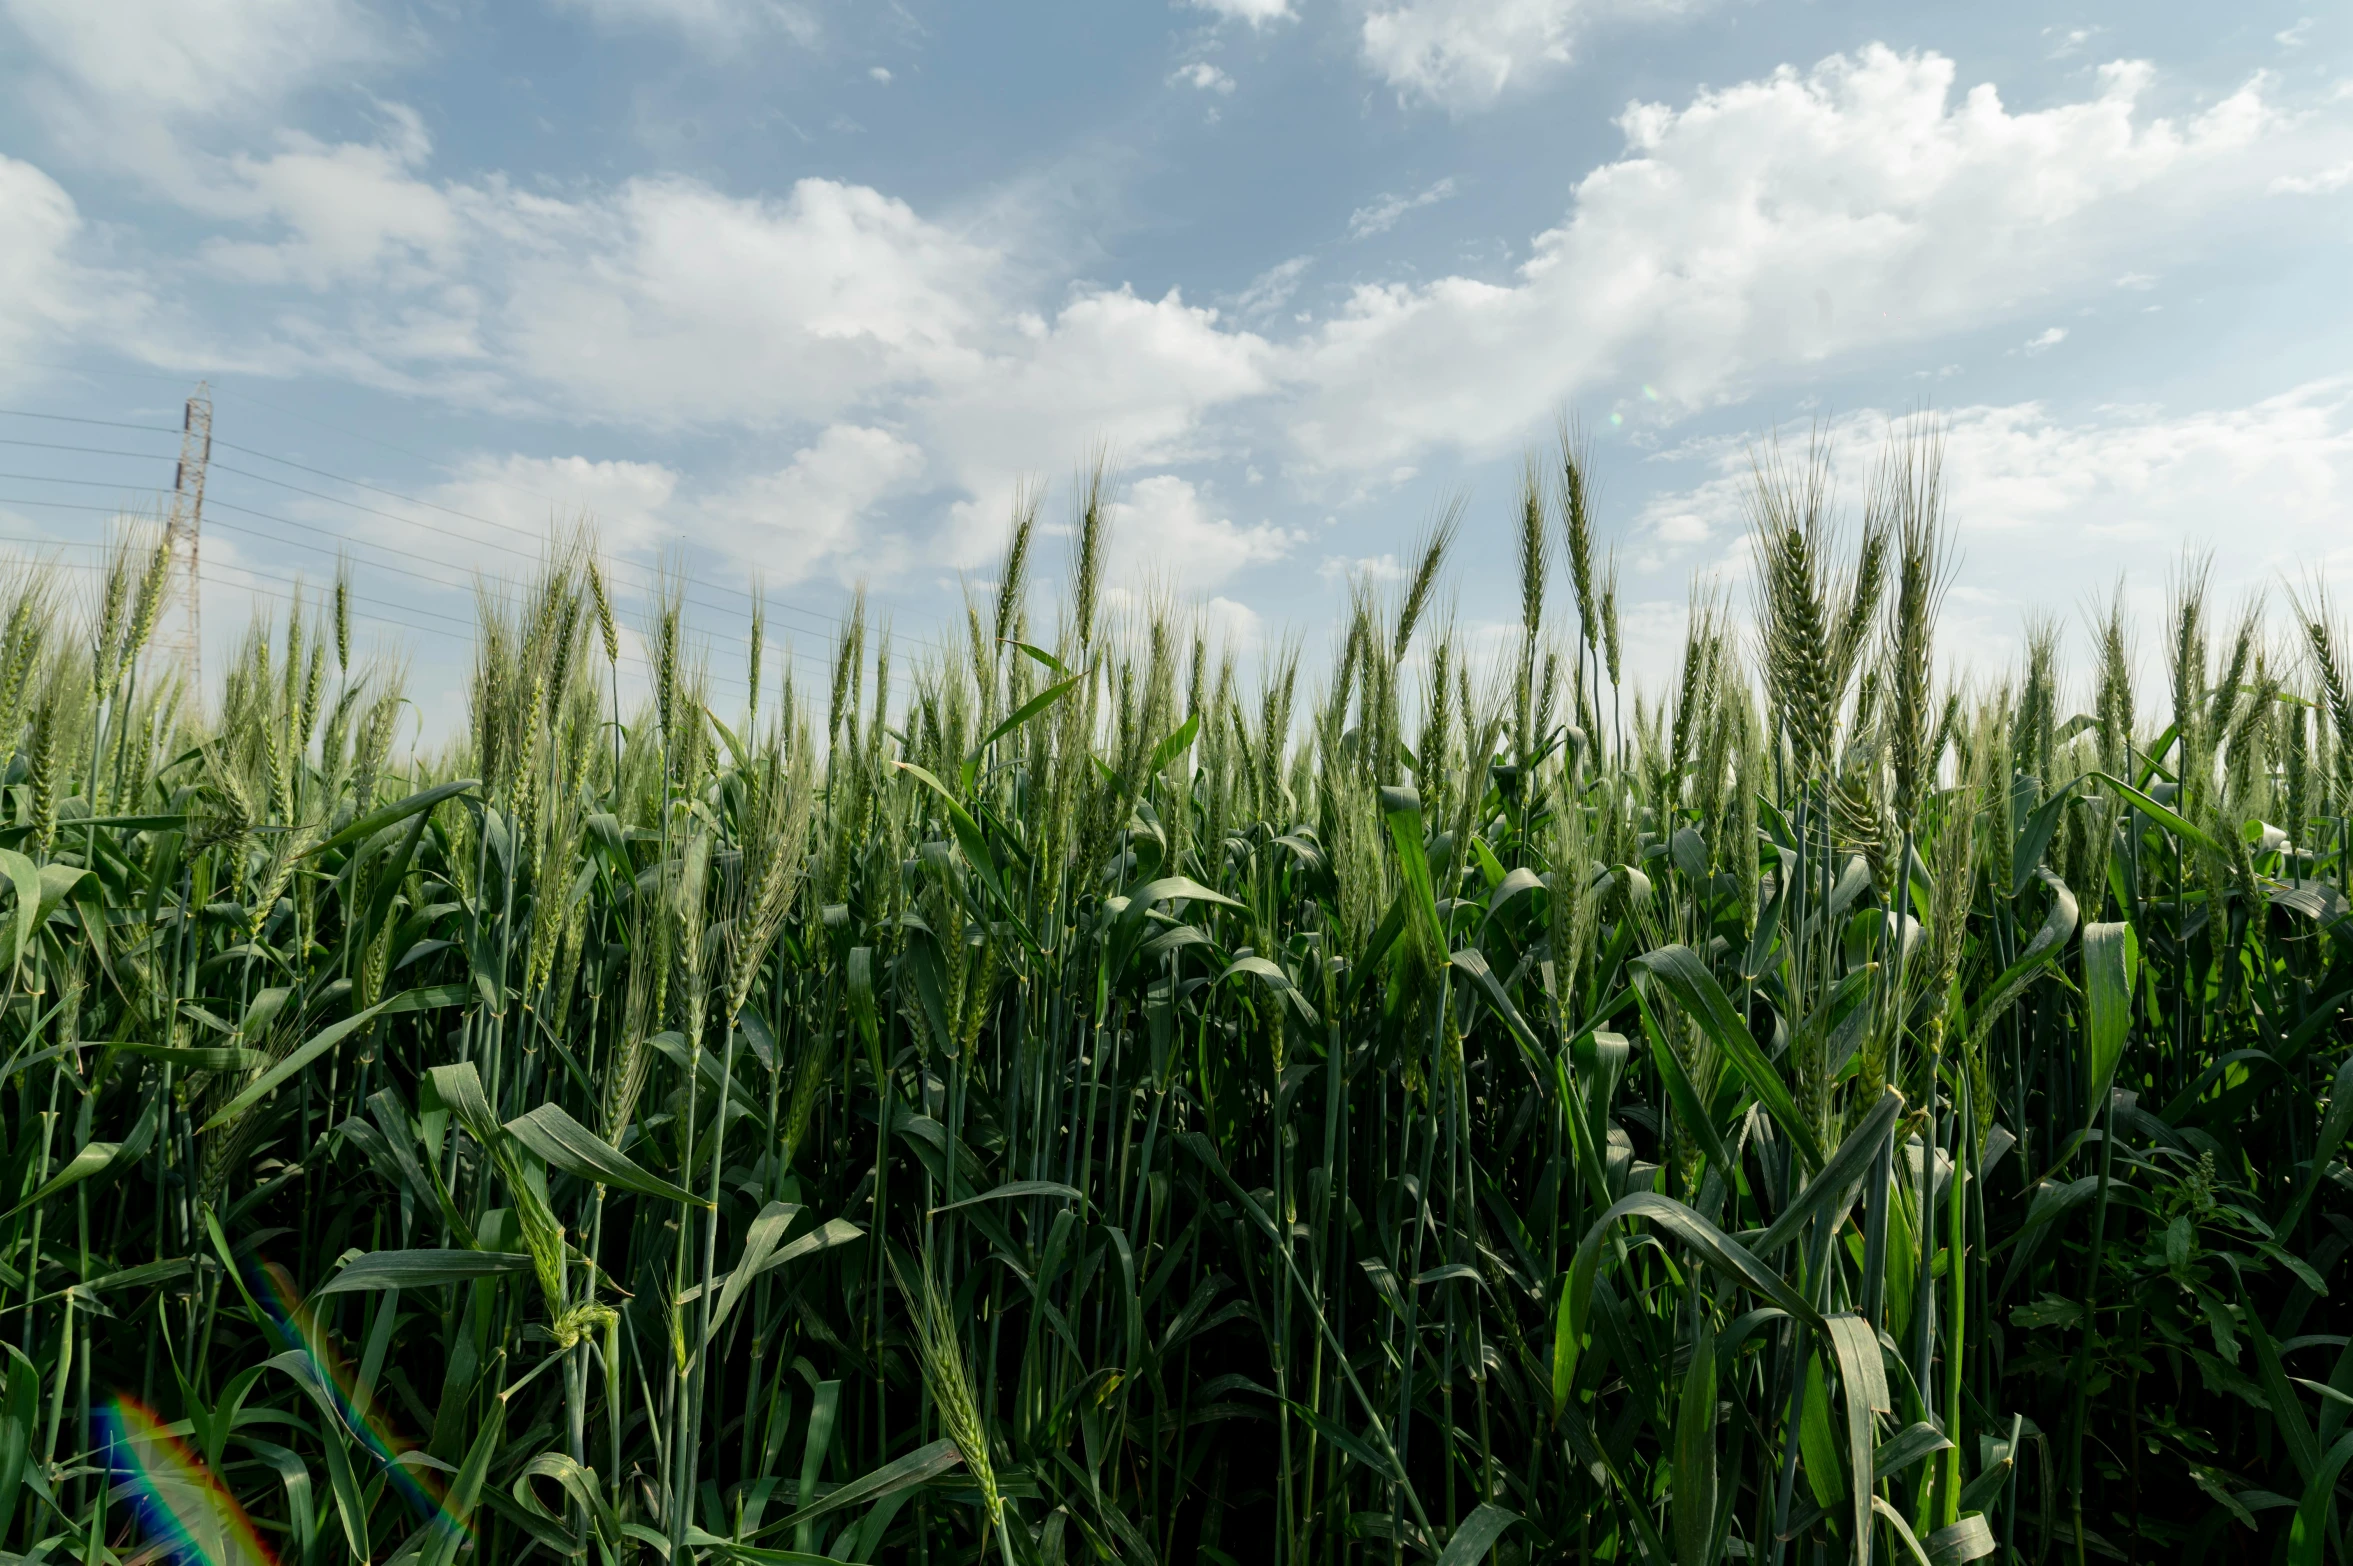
(798, 293)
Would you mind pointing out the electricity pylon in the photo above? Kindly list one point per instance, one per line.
(185, 531)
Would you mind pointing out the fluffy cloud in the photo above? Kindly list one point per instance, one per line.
(40, 290)
(1258, 13)
(2124, 489)
(1135, 373)
(1790, 219)
(669, 302)
(1164, 533)
(1778, 222)
(2272, 475)
(496, 513)
(1134, 376)
(660, 302)
(1465, 54)
(2268, 482)
(663, 303)
(2319, 184)
(1226, 625)
(194, 57)
(805, 517)
(810, 516)
(350, 211)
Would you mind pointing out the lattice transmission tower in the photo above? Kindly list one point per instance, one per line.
(185, 530)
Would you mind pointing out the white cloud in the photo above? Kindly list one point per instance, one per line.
(667, 301)
(1137, 370)
(2268, 482)
(1258, 13)
(41, 289)
(880, 73)
(509, 502)
(2118, 490)
(2070, 40)
(807, 515)
(350, 211)
(1164, 532)
(1231, 625)
(1383, 214)
(1136, 374)
(2316, 184)
(1371, 568)
(812, 515)
(1227, 626)
(1201, 76)
(1272, 289)
(195, 57)
(900, 346)
(1705, 253)
(1465, 54)
(663, 303)
(670, 303)
(2049, 337)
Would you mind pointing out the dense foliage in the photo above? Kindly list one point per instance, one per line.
(1081, 1099)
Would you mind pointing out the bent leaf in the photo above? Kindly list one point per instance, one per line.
(567, 1145)
(421, 1269)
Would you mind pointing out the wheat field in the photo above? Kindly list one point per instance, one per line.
(1084, 1097)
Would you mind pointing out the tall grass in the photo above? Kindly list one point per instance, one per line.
(1083, 1097)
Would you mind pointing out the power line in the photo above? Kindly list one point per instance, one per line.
(44, 478)
(93, 451)
(98, 568)
(75, 418)
(430, 581)
(52, 543)
(394, 494)
(91, 369)
(466, 627)
(210, 576)
(646, 575)
(255, 571)
(337, 429)
(389, 516)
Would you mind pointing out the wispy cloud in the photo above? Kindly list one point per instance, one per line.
(1463, 55)
(1383, 214)
(1258, 13)
(1272, 289)
(2319, 184)
(1202, 76)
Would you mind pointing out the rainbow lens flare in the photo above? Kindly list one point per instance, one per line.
(299, 1329)
(181, 1503)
